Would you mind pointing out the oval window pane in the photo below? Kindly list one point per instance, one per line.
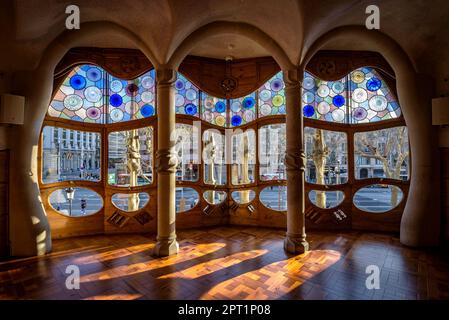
(274, 198)
(76, 202)
(243, 196)
(130, 201)
(186, 199)
(214, 197)
(378, 198)
(326, 199)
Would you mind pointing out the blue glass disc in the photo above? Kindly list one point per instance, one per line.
(77, 82)
(308, 111)
(190, 109)
(115, 100)
(338, 101)
(220, 106)
(249, 102)
(373, 84)
(94, 74)
(147, 110)
(236, 120)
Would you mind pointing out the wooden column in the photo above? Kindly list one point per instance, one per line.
(166, 165)
(295, 240)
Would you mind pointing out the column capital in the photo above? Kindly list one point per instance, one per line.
(166, 161)
(292, 78)
(165, 76)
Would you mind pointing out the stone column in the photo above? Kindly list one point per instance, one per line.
(166, 165)
(295, 240)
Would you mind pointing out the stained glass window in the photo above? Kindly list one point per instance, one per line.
(214, 109)
(324, 100)
(371, 99)
(187, 97)
(131, 99)
(272, 97)
(243, 110)
(81, 96)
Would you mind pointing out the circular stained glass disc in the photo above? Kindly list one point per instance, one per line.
(308, 97)
(236, 120)
(358, 76)
(77, 82)
(191, 94)
(116, 86)
(235, 106)
(220, 120)
(93, 113)
(191, 109)
(132, 89)
(277, 85)
(308, 83)
(249, 102)
(338, 115)
(338, 87)
(147, 82)
(359, 95)
(115, 100)
(92, 94)
(373, 84)
(179, 100)
(73, 102)
(131, 107)
(209, 103)
(323, 91)
(308, 111)
(338, 101)
(278, 100)
(94, 74)
(323, 107)
(208, 116)
(359, 114)
(378, 103)
(265, 109)
(249, 115)
(147, 110)
(179, 84)
(147, 96)
(116, 115)
(220, 107)
(265, 95)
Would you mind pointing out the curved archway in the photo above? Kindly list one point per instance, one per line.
(417, 225)
(225, 27)
(30, 231)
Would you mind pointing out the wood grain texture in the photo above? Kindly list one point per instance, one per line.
(230, 263)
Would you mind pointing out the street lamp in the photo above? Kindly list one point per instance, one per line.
(70, 193)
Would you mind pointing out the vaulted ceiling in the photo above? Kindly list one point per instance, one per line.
(419, 26)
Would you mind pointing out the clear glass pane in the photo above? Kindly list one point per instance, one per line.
(243, 158)
(130, 159)
(274, 197)
(327, 156)
(76, 202)
(214, 157)
(326, 199)
(378, 198)
(186, 148)
(70, 155)
(272, 146)
(130, 201)
(214, 197)
(382, 154)
(186, 199)
(243, 196)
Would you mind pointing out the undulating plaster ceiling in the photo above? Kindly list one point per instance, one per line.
(419, 26)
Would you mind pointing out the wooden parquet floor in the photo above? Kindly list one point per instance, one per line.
(230, 263)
